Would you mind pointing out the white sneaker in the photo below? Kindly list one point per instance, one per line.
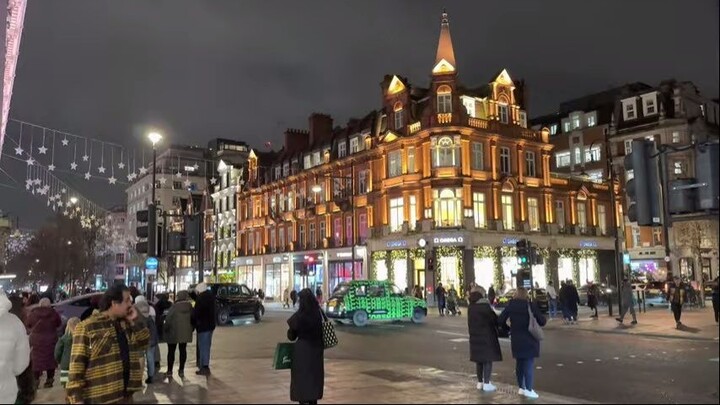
(521, 392)
(480, 386)
(531, 394)
(488, 387)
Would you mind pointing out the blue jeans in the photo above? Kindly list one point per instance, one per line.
(150, 359)
(204, 343)
(553, 308)
(524, 369)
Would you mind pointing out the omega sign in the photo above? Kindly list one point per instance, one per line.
(443, 240)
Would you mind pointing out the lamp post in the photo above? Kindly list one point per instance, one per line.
(317, 189)
(154, 137)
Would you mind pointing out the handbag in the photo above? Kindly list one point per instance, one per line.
(328, 332)
(534, 327)
(283, 356)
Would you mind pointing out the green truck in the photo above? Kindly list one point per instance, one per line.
(362, 301)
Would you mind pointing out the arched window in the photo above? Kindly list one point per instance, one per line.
(503, 110)
(448, 207)
(399, 114)
(444, 99)
(445, 152)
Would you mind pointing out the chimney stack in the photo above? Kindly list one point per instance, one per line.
(321, 126)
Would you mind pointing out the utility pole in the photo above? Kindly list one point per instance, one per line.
(616, 229)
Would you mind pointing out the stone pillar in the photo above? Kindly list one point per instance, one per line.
(468, 268)
(552, 264)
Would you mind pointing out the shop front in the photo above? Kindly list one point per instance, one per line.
(250, 273)
(344, 267)
(277, 277)
(308, 271)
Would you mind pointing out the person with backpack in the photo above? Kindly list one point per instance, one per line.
(63, 348)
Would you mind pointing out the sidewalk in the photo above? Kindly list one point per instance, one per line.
(698, 324)
(346, 381)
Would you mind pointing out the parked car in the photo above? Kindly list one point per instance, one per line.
(234, 300)
(362, 301)
(541, 299)
(74, 307)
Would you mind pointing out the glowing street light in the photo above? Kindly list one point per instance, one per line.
(73, 200)
(154, 137)
(316, 188)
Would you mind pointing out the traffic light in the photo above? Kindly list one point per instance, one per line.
(706, 174)
(147, 229)
(193, 225)
(523, 252)
(535, 256)
(430, 261)
(642, 189)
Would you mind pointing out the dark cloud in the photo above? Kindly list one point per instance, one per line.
(248, 69)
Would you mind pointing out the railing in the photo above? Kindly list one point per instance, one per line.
(444, 118)
(477, 123)
(414, 127)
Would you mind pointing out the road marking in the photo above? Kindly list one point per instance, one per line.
(579, 362)
(716, 359)
(666, 352)
(460, 340)
(632, 356)
(598, 360)
(616, 358)
(538, 368)
(451, 333)
(559, 364)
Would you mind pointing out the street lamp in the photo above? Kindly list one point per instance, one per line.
(73, 200)
(154, 137)
(316, 188)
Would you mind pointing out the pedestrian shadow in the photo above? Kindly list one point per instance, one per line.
(688, 329)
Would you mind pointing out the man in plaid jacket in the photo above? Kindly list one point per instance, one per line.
(105, 356)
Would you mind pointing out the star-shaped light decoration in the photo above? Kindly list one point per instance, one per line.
(57, 196)
(51, 167)
(162, 180)
(65, 142)
(66, 213)
(213, 181)
(37, 182)
(30, 161)
(60, 203)
(196, 166)
(186, 183)
(143, 170)
(42, 150)
(28, 184)
(101, 170)
(178, 175)
(112, 180)
(87, 176)
(18, 151)
(64, 191)
(42, 191)
(132, 176)
(121, 165)
(73, 166)
(51, 198)
(85, 158)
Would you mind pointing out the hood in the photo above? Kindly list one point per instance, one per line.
(143, 308)
(183, 307)
(5, 303)
(201, 288)
(140, 298)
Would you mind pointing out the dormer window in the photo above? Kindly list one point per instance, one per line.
(628, 106)
(649, 104)
(503, 113)
(307, 162)
(444, 99)
(576, 121)
(553, 129)
(316, 159)
(399, 115)
(591, 119)
(277, 173)
(342, 149)
(286, 169)
(354, 145)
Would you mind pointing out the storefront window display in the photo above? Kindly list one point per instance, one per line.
(341, 272)
(400, 273)
(449, 274)
(510, 268)
(277, 278)
(587, 270)
(381, 270)
(565, 268)
(647, 270)
(251, 276)
(312, 280)
(484, 272)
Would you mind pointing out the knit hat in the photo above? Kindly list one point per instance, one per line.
(142, 307)
(201, 288)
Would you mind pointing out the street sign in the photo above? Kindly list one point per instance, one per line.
(151, 263)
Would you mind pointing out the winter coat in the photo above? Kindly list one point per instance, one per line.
(482, 326)
(62, 351)
(178, 326)
(43, 323)
(627, 294)
(523, 344)
(307, 376)
(440, 294)
(677, 294)
(593, 296)
(491, 295)
(14, 351)
(203, 315)
(160, 310)
(569, 298)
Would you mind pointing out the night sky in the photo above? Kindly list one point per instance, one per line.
(249, 69)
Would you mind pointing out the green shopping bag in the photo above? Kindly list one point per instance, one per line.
(283, 356)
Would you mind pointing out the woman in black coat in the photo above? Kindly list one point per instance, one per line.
(484, 344)
(307, 376)
(525, 348)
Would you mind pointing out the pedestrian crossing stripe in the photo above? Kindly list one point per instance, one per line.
(716, 359)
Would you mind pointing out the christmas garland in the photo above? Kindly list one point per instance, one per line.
(499, 276)
(576, 269)
(484, 252)
(417, 254)
(545, 254)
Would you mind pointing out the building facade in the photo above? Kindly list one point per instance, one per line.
(180, 184)
(675, 115)
(447, 171)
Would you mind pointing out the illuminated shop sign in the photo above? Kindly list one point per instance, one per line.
(588, 244)
(510, 241)
(397, 244)
(344, 254)
(448, 239)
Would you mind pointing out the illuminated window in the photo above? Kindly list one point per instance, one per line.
(399, 116)
(581, 215)
(411, 159)
(316, 159)
(301, 235)
(530, 164)
(448, 207)
(397, 214)
(445, 152)
(354, 145)
(576, 121)
(602, 219)
(413, 212)
(505, 160)
(394, 163)
(479, 210)
(533, 214)
(553, 129)
(566, 126)
(676, 137)
(562, 159)
(281, 237)
(362, 182)
(349, 230)
(679, 167)
(591, 121)
(592, 155)
(322, 230)
(657, 236)
(508, 212)
(560, 213)
(444, 100)
(312, 240)
(342, 149)
(636, 236)
(477, 156)
(503, 113)
(362, 227)
(629, 109)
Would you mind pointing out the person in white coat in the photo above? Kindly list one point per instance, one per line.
(14, 351)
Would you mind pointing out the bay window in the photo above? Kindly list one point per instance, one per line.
(448, 207)
(397, 214)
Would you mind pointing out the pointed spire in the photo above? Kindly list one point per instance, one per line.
(445, 58)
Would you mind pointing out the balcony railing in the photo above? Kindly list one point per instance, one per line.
(444, 118)
(414, 127)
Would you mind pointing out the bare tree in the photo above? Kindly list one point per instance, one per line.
(696, 236)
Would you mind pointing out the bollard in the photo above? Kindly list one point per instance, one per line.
(610, 305)
(644, 304)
